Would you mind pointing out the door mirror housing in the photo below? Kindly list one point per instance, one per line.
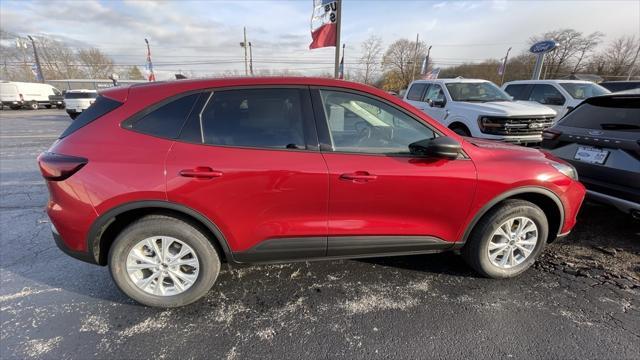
(440, 147)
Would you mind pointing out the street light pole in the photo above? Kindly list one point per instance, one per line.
(35, 55)
(415, 58)
(336, 67)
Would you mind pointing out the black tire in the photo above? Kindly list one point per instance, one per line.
(14, 107)
(34, 105)
(476, 251)
(73, 116)
(162, 225)
(60, 106)
(461, 130)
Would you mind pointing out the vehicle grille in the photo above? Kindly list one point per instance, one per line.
(530, 125)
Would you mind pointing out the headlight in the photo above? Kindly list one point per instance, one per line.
(566, 169)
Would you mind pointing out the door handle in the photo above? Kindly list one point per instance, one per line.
(358, 176)
(200, 172)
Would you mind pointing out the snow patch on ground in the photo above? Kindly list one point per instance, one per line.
(39, 347)
(375, 302)
(95, 324)
(25, 292)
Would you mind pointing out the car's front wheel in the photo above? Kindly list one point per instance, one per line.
(163, 261)
(507, 240)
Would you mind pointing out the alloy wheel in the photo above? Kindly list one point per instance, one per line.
(162, 266)
(512, 242)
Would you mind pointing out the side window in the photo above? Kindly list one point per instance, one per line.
(435, 94)
(546, 94)
(416, 91)
(364, 125)
(517, 91)
(268, 118)
(166, 120)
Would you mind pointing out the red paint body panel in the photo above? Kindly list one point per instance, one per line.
(265, 194)
(262, 194)
(410, 196)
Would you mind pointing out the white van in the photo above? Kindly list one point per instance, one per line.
(24, 94)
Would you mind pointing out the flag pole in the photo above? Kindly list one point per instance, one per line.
(415, 58)
(338, 18)
(504, 66)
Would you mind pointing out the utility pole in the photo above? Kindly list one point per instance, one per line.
(633, 64)
(35, 55)
(415, 58)
(504, 66)
(244, 45)
(336, 69)
(250, 59)
(426, 61)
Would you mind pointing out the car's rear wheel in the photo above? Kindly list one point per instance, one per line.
(34, 105)
(163, 261)
(507, 240)
(73, 116)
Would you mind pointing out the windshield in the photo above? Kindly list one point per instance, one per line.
(80, 95)
(477, 92)
(582, 91)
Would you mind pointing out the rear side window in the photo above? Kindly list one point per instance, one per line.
(267, 118)
(517, 91)
(166, 120)
(546, 94)
(100, 107)
(416, 92)
(621, 114)
(80, 95)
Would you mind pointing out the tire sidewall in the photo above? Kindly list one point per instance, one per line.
(208, 259)
(533, 213)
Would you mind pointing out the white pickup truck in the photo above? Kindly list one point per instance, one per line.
(560, 95)
(479, 108)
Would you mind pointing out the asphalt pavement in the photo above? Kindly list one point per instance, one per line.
(430, 306)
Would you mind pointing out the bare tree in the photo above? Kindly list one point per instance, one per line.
(57, 60)
(370, 58)
(619, 55)
(134, 73)
(573, 48)
(398, 63)
(97, 65)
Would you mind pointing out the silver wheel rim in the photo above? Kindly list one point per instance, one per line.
(513, 242)
(162, 266)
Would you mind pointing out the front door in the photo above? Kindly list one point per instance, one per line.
(248, 160)
(382, 199)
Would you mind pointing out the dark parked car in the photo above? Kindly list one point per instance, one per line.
(56, 100)
(616, 86)
(165, 181)
(601, 139)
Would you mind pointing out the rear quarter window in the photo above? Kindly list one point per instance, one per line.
(164, 120)
(100, 107)
(517, 91)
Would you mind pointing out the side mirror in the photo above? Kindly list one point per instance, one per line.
(440, 147)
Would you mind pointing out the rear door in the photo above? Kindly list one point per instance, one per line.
(382, 199)
(248, 160)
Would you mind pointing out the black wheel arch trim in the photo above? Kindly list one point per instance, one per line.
(511, 193)
(103, 221)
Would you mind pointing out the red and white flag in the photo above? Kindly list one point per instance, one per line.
(324, 27)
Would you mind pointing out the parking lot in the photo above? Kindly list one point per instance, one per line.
(581, 300)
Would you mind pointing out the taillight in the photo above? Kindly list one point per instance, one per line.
(57, 167)
(551, 134)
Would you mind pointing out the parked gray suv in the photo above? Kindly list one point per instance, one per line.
(601, 139)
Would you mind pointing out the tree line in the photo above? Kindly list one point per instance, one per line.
(57, 60)
(391, 69)
(577, 53)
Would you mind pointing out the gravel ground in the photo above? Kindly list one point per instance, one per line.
(580, 301)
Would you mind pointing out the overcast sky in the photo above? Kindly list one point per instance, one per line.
(185, 33)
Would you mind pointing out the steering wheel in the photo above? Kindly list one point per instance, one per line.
(364, 129)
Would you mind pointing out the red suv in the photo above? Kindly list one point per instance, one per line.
(165, 181)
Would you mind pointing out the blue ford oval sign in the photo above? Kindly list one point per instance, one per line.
(543, 46)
